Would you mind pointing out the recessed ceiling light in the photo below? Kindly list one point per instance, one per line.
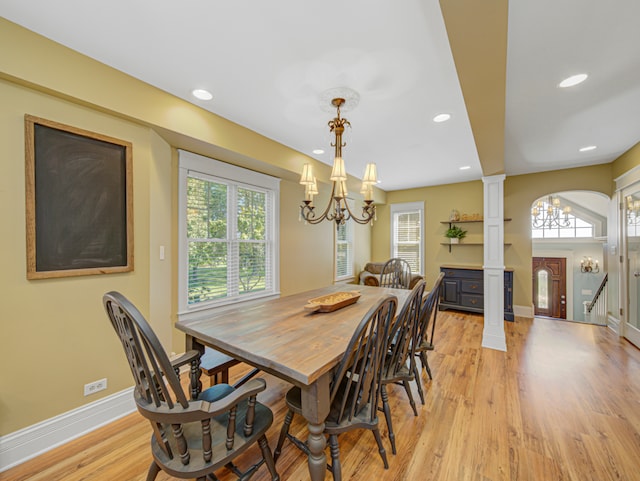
(318, 151)
(442, 117)
(587, 148)
(465, 167)
(573, 80)
(202, 94)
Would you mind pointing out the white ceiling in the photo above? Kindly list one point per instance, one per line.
(550, 40)
(267, 64)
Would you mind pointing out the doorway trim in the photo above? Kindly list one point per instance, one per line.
(630, 332)
(569, 274)
(624, 181)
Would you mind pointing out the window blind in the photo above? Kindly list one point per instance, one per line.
(407, 233)
(228, 228)
(344, 251)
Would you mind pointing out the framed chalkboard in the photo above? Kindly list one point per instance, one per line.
(79, 205)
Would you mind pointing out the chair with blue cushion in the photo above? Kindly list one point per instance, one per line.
(192, 438)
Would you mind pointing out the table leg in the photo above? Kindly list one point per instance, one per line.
(196, 385)
(315, 408)
(317, 458)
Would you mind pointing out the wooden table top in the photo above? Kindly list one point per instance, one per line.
(280, 336)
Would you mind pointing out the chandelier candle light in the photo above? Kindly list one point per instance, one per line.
(588, 266)
(341, 211)
(633, 211)
(550, 216)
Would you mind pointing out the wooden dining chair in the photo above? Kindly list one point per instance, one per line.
(355, 387)
(396, 273)
(398, 367)
(426, 327)
(192, 438)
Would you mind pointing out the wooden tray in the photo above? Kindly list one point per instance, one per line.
(333, 302)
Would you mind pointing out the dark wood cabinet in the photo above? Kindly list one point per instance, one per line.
(463, 289)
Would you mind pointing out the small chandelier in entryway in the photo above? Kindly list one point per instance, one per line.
(549, 213)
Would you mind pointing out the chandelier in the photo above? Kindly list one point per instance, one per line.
(549, 214)
(633, 211)
(337, 209)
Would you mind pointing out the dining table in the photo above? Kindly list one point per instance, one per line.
(287, 338)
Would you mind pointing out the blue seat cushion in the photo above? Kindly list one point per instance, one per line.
(215, 392)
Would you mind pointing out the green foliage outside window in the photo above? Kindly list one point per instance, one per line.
(222, 252)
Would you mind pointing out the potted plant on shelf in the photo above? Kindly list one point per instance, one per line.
(455, 233)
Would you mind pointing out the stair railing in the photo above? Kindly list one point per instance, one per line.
(597, 308)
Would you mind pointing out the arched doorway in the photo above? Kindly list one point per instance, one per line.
(567, 229)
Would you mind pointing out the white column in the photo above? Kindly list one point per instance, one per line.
(493, 335)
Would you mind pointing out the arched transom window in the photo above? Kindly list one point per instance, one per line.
(552, 220)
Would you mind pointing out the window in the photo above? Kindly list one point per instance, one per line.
(407, 233)
(577, 228)
(228, 234)
(543, 289)
(344, 251)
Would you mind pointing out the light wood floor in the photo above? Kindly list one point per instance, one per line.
(562, 404)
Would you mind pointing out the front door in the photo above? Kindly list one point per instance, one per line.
(550, 287)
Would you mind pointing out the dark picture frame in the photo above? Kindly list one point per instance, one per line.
(79, 201)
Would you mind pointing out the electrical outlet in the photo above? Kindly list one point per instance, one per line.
(95, 386)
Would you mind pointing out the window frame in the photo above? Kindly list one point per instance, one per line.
(350, 242)
(407, 208)
(197, 166)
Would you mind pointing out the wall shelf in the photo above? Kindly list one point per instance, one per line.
(451, 222)
(465, 221)
(462, 244)
(467, 244)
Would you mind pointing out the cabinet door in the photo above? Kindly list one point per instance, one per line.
(508, 291)
(472, 286)
(451, 291)
(472, 301)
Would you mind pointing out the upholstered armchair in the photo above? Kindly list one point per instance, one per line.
(370, 276)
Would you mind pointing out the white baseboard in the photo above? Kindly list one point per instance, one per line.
(491, 341)
(27, 443)
(523, 311)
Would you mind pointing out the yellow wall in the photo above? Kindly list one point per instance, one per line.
(55, 336)
(627, 161)
(466, 197)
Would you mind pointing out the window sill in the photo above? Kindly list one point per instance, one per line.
(345, 280)
(202, 312)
